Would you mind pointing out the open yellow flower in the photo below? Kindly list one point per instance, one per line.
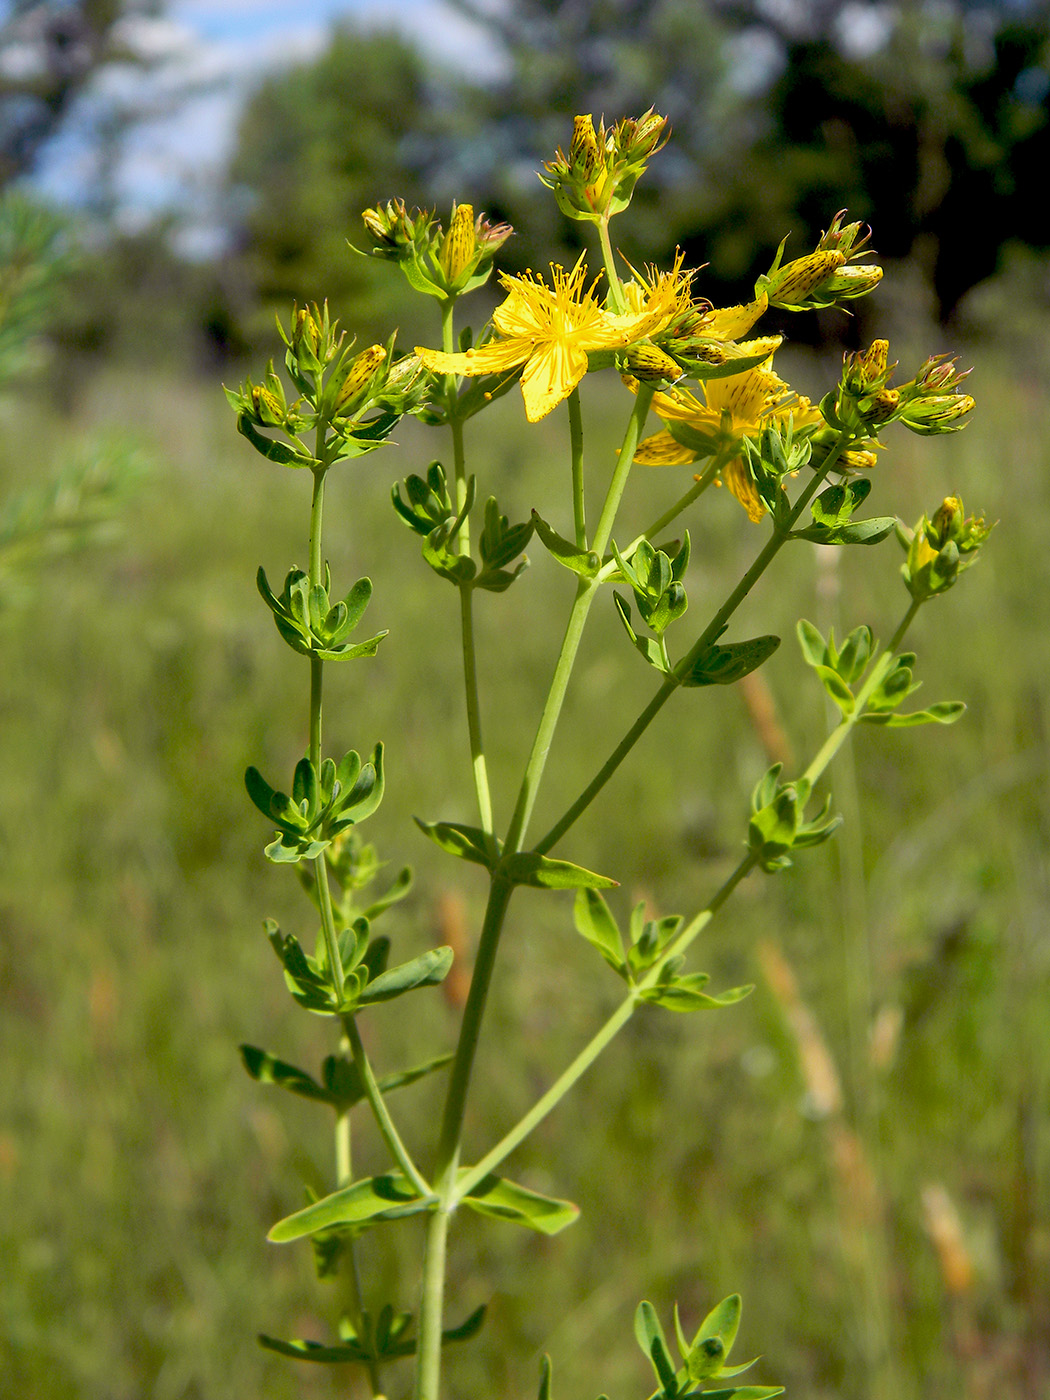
(550, 329)
(734, 408)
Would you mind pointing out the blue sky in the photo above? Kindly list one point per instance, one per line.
(205, 55)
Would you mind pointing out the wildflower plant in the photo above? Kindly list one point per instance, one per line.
(800, 471)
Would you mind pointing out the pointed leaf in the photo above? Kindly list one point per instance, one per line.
(837, 688)
(594, 921)
(267, 1069)
(542, 872)
(685, 995)
(944, 712)
(545, 1378)
(467, 1329)
(506, 1200)
(425, 971)
(365, 1202)
(466, 842)
(722, 1321)
(314, 1351)
(725, 665)
(584, 562)
(814, 647)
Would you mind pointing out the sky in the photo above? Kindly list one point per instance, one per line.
(205, 56)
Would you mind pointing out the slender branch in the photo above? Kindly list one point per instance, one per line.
(585, 595)
(479, 767)
(599, 1042)
(616, 298)
(671, 683)
(579, 512)
(391, 1136)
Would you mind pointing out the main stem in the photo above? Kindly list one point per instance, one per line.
(447, 1158)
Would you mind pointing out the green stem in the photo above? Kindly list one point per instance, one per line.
(344, 1174)
(585, 594)
(448, 1151)
(707, 638)
(382, 1114)
(616, 298)
(431, 1308)
(479, 767)
(579, 513)
(594, 1047)
(699, 486)
(876, 676)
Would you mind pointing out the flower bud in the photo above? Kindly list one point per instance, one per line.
(362, 369)
(851, 282)
(267, 408)
(584, 154)
(937, 413)
(939, 549)
(397, 232)
(868, 370)
(460, 244)
(793, 284)
(652, 365)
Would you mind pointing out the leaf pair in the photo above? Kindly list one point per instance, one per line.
(366, 979)
(648, 942)
(471, 844)
(702, 1359)
(777, 825)
(392, 1197)
(378, 1340)
(322, 804)
(310, 624)
(839, 668)
(833, 521)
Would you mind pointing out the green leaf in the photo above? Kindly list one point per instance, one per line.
(466, 842)
(745, 1392)
(367, 1201)
(594, 921)
(396, 891)
(728, 664)
(814, 648)
(650, 1337)
(267, 1069)
(722, 1321)
(837, 688)
(280, 452)
(506, 1200)
(584, 562)
(542, 872)
(545, 1378)
(427, 970)
(467, 1329)
(684, 994)
(314, 1351)
(944, 712)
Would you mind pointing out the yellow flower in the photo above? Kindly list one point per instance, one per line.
(736, 407)
(550, 329)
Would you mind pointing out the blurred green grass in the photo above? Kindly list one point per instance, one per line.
(140, 1168)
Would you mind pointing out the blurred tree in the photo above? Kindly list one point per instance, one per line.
(49, 50)
(319, 143)
(930, 120)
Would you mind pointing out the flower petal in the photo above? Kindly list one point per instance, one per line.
(661, 450)
(493, 358)
(550, 376)
(732, 322)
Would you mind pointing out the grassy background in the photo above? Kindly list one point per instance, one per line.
(908, 962)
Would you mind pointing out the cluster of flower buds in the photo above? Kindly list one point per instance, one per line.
(939, 548)
(438, 263)
(356, 396)
(865, 402)
(826, 276)
(597, 177)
